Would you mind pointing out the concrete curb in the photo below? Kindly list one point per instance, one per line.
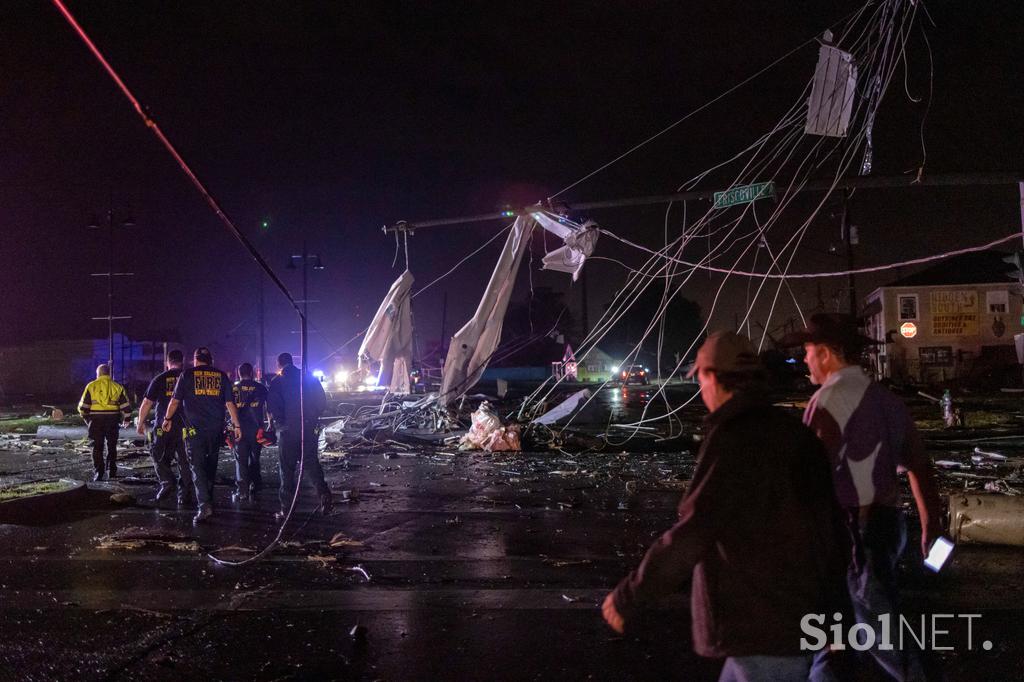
(24, 509)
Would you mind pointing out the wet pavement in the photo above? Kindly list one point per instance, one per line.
(449, 565)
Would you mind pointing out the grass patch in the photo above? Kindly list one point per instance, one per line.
(30, 424)
(22, 490)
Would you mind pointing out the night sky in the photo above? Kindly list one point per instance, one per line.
(332, 119)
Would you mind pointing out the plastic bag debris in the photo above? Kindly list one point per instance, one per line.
(484, 423)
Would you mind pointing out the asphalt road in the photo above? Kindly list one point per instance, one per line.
(472, 566)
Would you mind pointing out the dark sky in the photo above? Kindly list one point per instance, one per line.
(332, 119)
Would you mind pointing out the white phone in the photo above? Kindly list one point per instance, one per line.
(938, 554)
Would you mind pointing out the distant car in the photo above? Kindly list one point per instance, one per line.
(634, 374)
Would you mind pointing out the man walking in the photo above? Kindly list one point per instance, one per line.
(203, 392)
(251, 400)
(283, 406)
(758, 529)
(869, 436)
(168, 447)
(103, 406)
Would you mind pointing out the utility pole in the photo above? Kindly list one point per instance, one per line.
(260, 314)
(444, 322)
(584, 304)
(94, 224)
(306, 258)
(848, 237)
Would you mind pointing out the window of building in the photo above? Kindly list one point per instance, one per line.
(936, 356)
(997, 301)
(907, 304)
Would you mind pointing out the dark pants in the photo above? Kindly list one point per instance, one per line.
(247, 462)
(104, 428)
(289, 449)
(168, 448)
(202, 449)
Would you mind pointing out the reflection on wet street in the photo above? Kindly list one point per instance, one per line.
(434, 565)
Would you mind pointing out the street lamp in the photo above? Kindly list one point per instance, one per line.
(110, 225)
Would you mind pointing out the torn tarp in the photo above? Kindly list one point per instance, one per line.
(563, 409)
(389, 337)
(473, 345)
(579, 244)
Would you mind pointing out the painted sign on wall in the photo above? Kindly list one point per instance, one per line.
(954, 313)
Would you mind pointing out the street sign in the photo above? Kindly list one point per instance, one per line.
(744, 194)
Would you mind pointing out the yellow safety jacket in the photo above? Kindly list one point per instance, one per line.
(103, 396)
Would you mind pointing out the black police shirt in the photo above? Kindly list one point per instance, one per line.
(250, 397)
(203, 391)
(160, 391)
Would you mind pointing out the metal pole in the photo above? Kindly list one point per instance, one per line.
(259, 314)
(110, 292)
(305, 292)
(869, 182)
(849, 251)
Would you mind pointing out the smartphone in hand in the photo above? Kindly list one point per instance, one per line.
(939, 553)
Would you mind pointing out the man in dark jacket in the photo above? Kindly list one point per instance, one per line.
(251, 400)
(204, 393)
(759, 529)
(283, 405)
(169, 445)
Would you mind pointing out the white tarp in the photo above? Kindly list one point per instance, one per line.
(579, 243)
(473, 345)
(563, 409)
(832, 93)
(389, 337)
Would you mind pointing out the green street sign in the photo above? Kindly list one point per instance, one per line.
(744, 194)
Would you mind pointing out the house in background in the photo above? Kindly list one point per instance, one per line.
(952, 320)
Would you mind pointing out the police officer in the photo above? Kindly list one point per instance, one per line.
(251, 400)
(203, 392)
(103, 406)
(168, 446)
(283, 406)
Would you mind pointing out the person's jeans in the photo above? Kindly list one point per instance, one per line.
(289, 449)
(203, 449)
(765, 669)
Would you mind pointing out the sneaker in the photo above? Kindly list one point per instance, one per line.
(97, 476)
(113, 474)
(164, 493)
(205, 512)
(239, 498)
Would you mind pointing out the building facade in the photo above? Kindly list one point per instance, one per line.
(956, 320)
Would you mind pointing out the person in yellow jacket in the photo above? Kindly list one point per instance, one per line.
(104, 406)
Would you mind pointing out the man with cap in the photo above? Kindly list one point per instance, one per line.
(167, 446)
(103, 406)
(869, 436)
(293, 433)
(251, 400)
(203, 392)
(758, 528)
